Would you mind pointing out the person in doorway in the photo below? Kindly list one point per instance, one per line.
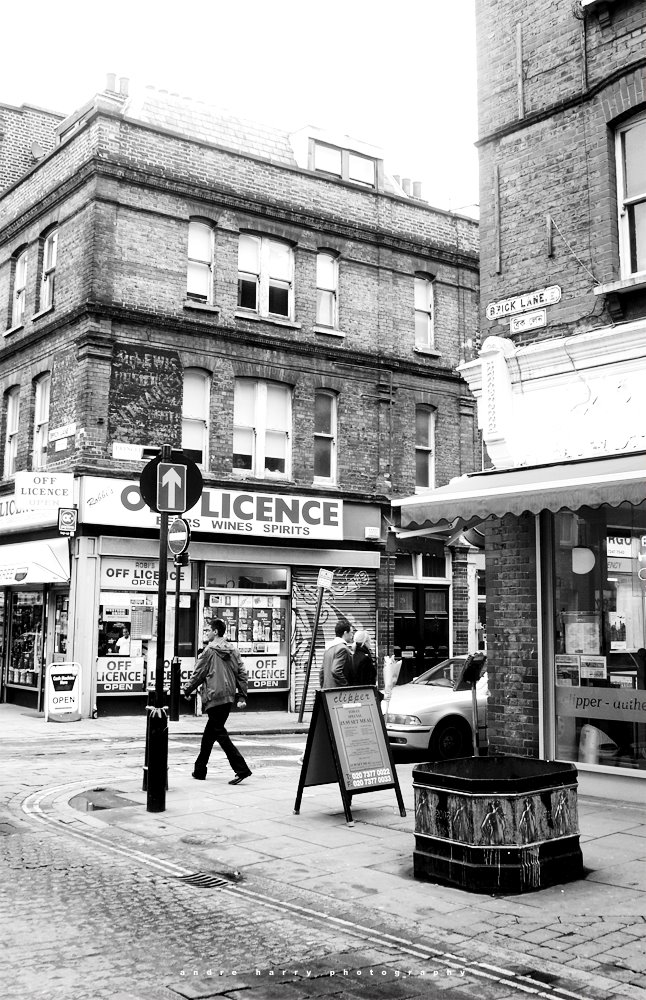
(122, 645)
(363, 669)
(337, 658)
(221, 674)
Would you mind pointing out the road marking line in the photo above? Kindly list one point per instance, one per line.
(33, 806)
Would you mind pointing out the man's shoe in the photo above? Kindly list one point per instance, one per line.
(198, 777)
(239, 777)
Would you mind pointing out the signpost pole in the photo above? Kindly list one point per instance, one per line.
(158, 719)
(319, 602)
(175, 666)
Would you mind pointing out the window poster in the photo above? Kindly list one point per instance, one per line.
(257, 624)
(594, 668)
(582, 636)
(568, 670)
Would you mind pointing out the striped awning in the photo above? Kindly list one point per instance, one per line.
(470, 499)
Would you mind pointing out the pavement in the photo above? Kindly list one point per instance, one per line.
(583, 939)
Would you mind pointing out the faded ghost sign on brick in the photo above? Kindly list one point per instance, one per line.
(145, 396)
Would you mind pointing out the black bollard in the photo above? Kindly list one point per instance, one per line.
(157, 759)
(175, 683)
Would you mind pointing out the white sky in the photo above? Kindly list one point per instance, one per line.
(400, 75)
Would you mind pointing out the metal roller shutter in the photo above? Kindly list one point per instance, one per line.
(353, 596)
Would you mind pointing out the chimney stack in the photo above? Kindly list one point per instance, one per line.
(112, 82)
(406, 185)
(123, 85)
(417, 190)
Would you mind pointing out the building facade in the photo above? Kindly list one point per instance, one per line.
(286, 313)
(562, 111)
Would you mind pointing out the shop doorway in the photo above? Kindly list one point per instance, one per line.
(421, 628)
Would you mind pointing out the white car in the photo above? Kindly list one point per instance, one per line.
(429, 715)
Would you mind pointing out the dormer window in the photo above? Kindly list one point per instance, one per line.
(345, 164)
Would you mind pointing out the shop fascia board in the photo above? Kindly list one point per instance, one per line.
(621, 347)
(147, 548)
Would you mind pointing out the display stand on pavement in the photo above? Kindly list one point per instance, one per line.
(347, 742)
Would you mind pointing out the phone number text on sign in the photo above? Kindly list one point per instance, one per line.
(363, 779)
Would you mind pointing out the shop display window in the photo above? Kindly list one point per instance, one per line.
(599, 635)
(26, 639)
(61, 614)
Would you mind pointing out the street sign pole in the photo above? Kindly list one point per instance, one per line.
(158, 718)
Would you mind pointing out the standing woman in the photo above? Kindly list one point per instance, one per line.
(364, 670)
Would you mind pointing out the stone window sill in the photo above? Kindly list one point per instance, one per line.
(43, 312)
(428, 352)
(327, 331)
(621, 287)
(273, 320)
(14, 329)
(202, 307)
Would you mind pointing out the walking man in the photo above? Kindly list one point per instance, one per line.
(337, 658)
(220, 672)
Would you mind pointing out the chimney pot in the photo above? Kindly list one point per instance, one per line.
(406, 185)
(112, 82)
(123, 85)
(417, 189)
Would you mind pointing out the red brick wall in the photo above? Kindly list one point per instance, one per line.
(558, 156)
(19, 129)
(512, 640)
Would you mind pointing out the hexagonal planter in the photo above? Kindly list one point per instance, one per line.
(496, 824)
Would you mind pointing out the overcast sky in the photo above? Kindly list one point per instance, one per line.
(400, 75)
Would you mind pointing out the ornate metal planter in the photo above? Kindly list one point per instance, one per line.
(496, 824)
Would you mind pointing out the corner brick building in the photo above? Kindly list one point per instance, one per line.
(281, 309)
(559, 383)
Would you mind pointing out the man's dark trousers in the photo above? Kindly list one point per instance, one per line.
(214, 732)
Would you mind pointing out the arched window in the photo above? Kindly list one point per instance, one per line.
(424, 326)
(199, 275)
(424, 448)
(265, 276)
(49, 250)
(325, 430)
(262, 424)
(12, 420)
(327, 278)
(19, 289)
(42, 387)
(631, 178)
(195, 415)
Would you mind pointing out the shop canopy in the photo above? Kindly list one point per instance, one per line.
(46, 561)
(470, 499)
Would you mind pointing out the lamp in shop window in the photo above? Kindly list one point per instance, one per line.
(583, 560)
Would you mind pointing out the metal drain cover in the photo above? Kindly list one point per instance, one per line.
(203, 880)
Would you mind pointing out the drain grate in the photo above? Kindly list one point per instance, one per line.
(202, 880)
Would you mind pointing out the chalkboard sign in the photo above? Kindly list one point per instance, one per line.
(146, 389)
(347, 742)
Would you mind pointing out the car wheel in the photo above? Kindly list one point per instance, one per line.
(451, 738)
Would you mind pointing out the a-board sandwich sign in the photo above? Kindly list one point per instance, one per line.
(63, 692)
(347, 742)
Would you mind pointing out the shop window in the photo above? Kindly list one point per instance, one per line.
(49, 254)
(199, 274)
(246, 576)
(599, 602)
(12, 417)
(41, 421)
(196, 403)
(424, 327)
(325, 428)
(26, 639)
(631, 179)
(265, 276)
(19, 288)
(327, 277)
(404, 564)
(262, 417)
(424, 448)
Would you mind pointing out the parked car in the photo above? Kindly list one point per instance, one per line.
(427, 714)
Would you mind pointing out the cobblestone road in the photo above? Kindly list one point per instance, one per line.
(81, 922)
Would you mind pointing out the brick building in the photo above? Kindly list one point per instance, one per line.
(558, 381)
(285, 312)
